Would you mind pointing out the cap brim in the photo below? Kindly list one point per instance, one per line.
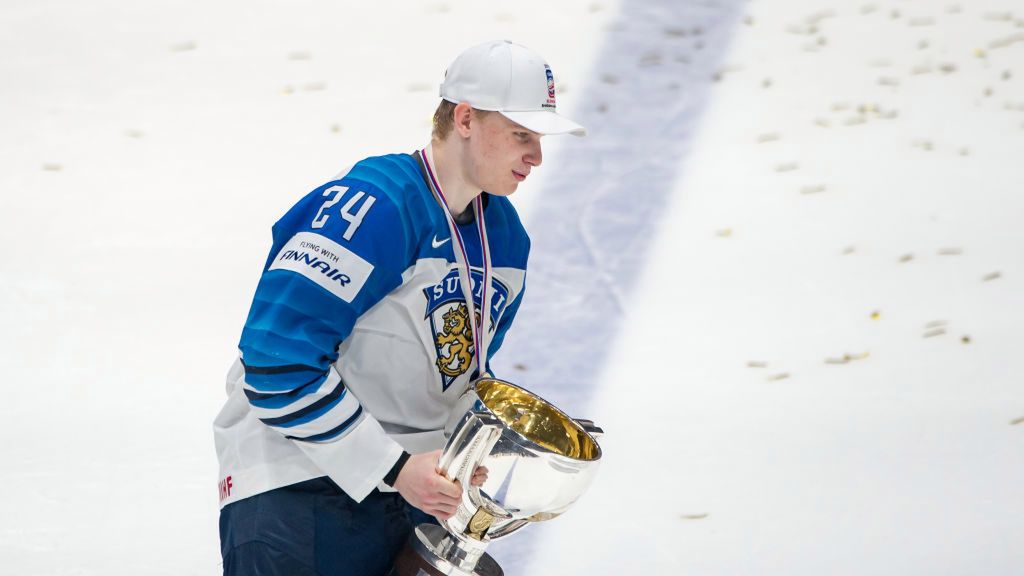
(545, 122)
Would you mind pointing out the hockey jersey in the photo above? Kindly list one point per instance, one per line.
(358, 343)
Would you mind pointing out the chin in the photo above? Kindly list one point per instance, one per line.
(504, 190)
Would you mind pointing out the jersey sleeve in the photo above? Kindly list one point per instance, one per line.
(337, 253)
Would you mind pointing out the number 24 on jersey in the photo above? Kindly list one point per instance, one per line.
(348, 213)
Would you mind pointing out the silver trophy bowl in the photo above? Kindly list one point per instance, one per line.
(539, 463)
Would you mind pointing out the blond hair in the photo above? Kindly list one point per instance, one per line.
(444, 119)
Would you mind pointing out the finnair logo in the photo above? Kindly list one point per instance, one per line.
(322, 260)
(316, 263)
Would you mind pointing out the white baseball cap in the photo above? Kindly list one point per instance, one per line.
(505, 77)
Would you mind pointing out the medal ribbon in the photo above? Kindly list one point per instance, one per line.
(480, 326)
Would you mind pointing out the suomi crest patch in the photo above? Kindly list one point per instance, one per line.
(450, 325)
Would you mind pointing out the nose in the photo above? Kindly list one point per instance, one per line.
(534, 156)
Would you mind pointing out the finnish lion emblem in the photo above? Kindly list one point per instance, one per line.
(450, 325)
(455, 342)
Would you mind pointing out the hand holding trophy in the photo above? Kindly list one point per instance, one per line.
(539, 462)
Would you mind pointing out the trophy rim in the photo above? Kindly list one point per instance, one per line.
(599, 453)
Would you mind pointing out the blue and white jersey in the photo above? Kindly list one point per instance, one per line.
(358, 343)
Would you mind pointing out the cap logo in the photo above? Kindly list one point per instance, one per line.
(551, 87)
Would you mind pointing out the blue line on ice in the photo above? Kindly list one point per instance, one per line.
(593, 223)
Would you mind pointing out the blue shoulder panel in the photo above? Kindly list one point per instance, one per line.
(335, 254)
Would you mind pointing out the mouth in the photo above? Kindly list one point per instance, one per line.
(519, 176)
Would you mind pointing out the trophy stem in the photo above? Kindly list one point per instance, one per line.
(461, 553)
(435, 552)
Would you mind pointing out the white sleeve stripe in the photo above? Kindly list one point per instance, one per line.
(331, 419)
(326, 388)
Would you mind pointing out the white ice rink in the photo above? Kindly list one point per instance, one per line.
(784, 271)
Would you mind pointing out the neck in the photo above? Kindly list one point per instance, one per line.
(446, 158)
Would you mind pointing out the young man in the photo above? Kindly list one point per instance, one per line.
(384, 295)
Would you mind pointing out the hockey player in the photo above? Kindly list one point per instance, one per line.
(384, 295)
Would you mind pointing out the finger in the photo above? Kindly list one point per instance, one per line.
(450, 489)
(443, 512)
(447, 501)
(438, 499)
(451, 508)
(480, 475)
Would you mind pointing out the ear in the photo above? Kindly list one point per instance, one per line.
(463, 117)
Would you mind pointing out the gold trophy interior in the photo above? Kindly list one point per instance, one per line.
(537, 420)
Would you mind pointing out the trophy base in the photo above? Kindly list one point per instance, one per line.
(419, 557)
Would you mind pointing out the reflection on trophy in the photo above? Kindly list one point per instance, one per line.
(540, 462)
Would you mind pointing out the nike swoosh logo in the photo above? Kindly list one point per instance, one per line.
(437, 244)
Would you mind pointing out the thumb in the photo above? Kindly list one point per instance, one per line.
(436, 457)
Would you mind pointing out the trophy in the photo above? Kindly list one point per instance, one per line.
(539, 462)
